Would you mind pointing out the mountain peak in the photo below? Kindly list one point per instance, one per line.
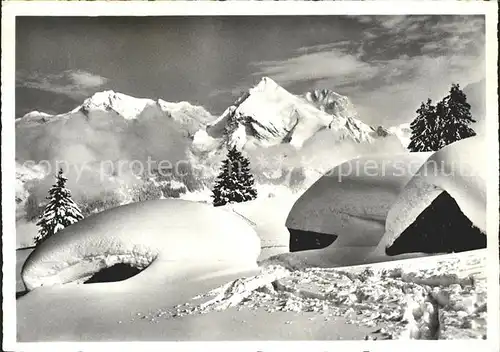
(268, 114)
(102, 98)
(109, 100)
(265, 84)
(331, 102)
(36, 114)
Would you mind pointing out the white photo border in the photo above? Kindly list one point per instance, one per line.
(12, 9)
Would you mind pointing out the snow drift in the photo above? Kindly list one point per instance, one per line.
(455, 174)
(171, 238)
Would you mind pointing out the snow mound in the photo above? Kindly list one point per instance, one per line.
(458, 169)
(351, 202)
(167, 238)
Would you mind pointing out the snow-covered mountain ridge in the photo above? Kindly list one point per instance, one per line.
(268, 115)
(124, 105)
(129, 108)
(114, 126)
(265, 115)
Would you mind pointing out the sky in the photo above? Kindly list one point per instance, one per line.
(386, 65)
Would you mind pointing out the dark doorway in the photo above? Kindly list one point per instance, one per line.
(440, 228)
(117, 272)
(305, 240)
(20, 294)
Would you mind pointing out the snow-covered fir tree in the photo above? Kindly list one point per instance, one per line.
(456, 117)
(423, 129)
(60, 212)
(437, 126)
(235, 183)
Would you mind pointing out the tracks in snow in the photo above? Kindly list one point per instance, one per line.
(430, 303)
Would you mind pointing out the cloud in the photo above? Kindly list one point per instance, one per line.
(230, 93)
(316, 66)
(413, 28)
(363, 19)
(460, 25)
(407, 81)
(393, 23)
(73, 83)
(396, 63)
(323, 47)
(87, 79)
(459, 37)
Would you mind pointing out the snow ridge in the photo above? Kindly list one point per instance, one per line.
(129, 108)
(36, 114)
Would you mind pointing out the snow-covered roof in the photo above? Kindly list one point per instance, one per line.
(459, 169)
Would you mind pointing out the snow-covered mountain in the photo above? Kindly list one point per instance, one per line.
(268, 115)
(340, 106)
(109, 128)
(129, 108)
(287, 135)
(126, 106)
(26, 176)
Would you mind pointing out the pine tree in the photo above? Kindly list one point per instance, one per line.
(60, 212)
(235, 183)
(456, 117)
(437, 126)
(423, 129)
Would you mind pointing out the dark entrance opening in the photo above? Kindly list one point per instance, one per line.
(20, 294)
(440, 228)
(305, 240)
(117, 272)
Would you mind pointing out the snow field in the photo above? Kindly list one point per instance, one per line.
(401, 301)
(178, 243)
